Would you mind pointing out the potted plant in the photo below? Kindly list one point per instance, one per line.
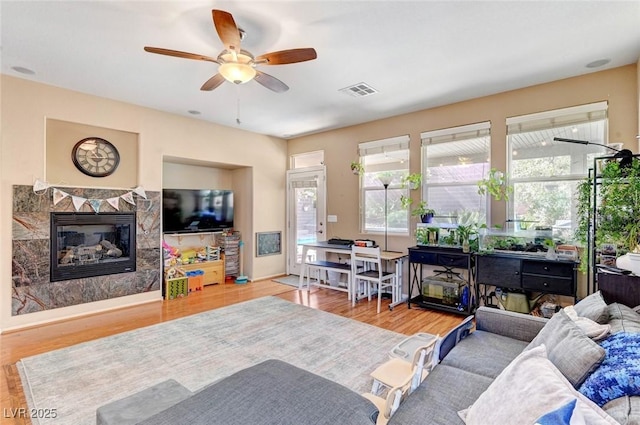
(464, 233)
(357, 168)
(495, 185)
(425, 214)
(412, 181)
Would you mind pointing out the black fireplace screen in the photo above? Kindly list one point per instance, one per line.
(88, 244)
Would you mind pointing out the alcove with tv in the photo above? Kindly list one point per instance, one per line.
(196, 210)
(200, 201)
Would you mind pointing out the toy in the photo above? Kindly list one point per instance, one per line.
(176, 288)
(174, 252)
(188, 256)
(202, 254)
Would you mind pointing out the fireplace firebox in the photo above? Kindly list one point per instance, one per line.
(88, 244)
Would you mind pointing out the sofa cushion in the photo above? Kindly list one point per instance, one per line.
(593, 307)
(508, 323)
(271, 392)
(528, 388)
(437, 400)
(625, 410)
(619, 374)
(143, 404)
(623, 318)
(569, 349)
(484, 353)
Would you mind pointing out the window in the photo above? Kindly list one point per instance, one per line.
(384, 159)
(307, 159)
(544, 173)
(454, 159)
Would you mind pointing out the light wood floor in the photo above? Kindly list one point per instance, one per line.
(24, 343)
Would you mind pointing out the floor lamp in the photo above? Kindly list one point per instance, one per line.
(386, 181)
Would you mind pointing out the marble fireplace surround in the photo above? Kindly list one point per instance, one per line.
(32, 289)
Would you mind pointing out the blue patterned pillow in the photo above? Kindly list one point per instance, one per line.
(619, 373)
(564, 415)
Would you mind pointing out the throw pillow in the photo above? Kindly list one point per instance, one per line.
(565, 415)
(527, 388)
(569, 349)
(623, 318)
(594, 330)
(619, 373)
(593, 307)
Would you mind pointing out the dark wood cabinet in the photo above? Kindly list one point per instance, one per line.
(491, 269)
(536, 274)
(447, 262)
(619, 289)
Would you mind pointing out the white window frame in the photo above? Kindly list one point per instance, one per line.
(554, 121)
(392, 144)
(295, 158)
(448, 135)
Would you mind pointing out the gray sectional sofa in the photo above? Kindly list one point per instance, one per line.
(512, 369)
(465, 374)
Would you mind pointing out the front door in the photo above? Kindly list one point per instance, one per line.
(306, 212)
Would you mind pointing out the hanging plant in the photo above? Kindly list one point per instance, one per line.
(495, 185)
(412, 181)
(357, 168)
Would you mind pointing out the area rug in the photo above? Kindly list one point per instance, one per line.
(291, 280)
(200, 349)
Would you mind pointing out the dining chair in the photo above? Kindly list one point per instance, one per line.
(372, 273)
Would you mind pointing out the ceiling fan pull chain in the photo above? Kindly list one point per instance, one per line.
(238, 106)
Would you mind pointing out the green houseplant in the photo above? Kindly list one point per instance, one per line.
(412, 181)
(464, 233)
(421, 210)
(495, 185)
(357, 168)
(617, 207)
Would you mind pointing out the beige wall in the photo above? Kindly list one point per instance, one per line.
(259, 162)
(619, 87)
(185, 176)
(62, 136)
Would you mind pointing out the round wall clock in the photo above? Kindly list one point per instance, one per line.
(95, 157)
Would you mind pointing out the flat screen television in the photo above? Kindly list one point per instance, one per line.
(195, 210)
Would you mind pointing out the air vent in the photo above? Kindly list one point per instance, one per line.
(359, 90)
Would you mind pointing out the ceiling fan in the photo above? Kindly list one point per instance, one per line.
(236, 65)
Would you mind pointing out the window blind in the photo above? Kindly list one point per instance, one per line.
(557, 118)
(454, 134)
(383, 146)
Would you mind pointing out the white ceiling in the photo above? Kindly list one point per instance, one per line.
(417, 54)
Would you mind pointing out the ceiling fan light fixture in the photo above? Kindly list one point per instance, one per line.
(237, 73)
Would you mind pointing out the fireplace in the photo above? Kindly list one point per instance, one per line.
(88, 244)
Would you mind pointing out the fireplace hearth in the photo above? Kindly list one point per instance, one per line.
(88, 244)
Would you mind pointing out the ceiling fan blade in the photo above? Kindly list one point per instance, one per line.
(179, 54)
(288, 56)
(227, 30)
(270, 82)
(213, 82)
